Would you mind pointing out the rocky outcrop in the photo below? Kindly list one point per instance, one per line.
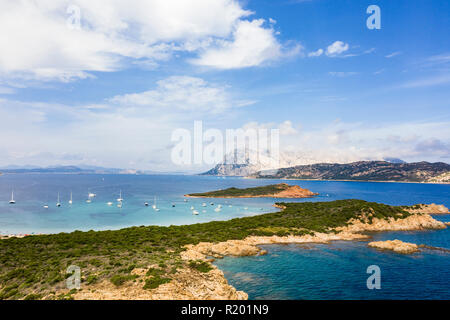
(413, 222)
(429, 209)
(187, 284)
(395, 245)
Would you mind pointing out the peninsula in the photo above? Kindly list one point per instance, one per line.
(281, 190)
(152, 262)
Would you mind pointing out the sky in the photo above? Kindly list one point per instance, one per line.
(106, 82)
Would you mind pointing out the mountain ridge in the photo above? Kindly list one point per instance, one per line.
(438, 172)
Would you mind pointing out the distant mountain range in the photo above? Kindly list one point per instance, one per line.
(359, 171)
(68, 169)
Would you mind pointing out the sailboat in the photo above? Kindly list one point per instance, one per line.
(58, 204)
(120, 199)
(70, 201)
(203, 204)
(12, 201)
(195, 212)
(45, 206)
(154, 204)
(146, 204)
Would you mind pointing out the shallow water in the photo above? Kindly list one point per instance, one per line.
(312, 271)
(32, 191)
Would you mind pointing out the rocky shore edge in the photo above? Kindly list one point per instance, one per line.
(189, 284)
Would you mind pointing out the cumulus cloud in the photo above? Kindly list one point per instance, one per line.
(42, 40)
(252, 44)
(336, 48)
(316, 53)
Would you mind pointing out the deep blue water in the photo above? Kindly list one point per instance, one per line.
(312, 271)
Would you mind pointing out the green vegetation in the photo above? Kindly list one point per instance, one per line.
(35, 266)
(248, 192)
(201, 266)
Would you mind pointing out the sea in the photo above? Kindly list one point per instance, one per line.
(339, 270)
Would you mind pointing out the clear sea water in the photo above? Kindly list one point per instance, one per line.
(312, 271)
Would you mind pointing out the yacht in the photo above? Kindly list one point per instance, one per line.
(146, 204)
(120, 199)
(195, 212)
(203, 204)
(119, 205)
(58, 204)
(12, 201)
(154, 204)
(45, 206)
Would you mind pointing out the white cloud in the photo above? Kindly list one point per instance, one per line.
(336, 48)
(182, 93)
(427, 82)
(342, 74)
(317, 53)
(37, 43)
(252, 45)
(393, 54)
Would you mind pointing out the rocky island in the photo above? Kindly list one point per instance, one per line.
(395, 245)
(153, 262)
(281, 190)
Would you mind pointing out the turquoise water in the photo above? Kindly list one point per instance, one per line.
(312, 271)
(339, 270)
(32, 191)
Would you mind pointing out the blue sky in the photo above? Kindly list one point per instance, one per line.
(112, 91)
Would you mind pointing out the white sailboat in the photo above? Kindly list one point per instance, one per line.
(58, 204)
(110, 204)
(45, 206)
(70, 201)
(195, 212)
(203, 204)
(88, 199)
(154, 204)
(12, 201)
(120, 199)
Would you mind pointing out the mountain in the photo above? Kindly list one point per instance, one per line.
(70, 169)
(364, 171)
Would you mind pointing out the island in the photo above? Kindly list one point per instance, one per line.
(155, 262)
(395, 245)
(281, 190)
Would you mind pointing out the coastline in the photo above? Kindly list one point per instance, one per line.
(176, 262)
(192, 285)
(340, 180)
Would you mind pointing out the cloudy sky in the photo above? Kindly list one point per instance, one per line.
(111, 89)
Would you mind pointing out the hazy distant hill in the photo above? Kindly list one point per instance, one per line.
(364, 171)
(70, 169)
